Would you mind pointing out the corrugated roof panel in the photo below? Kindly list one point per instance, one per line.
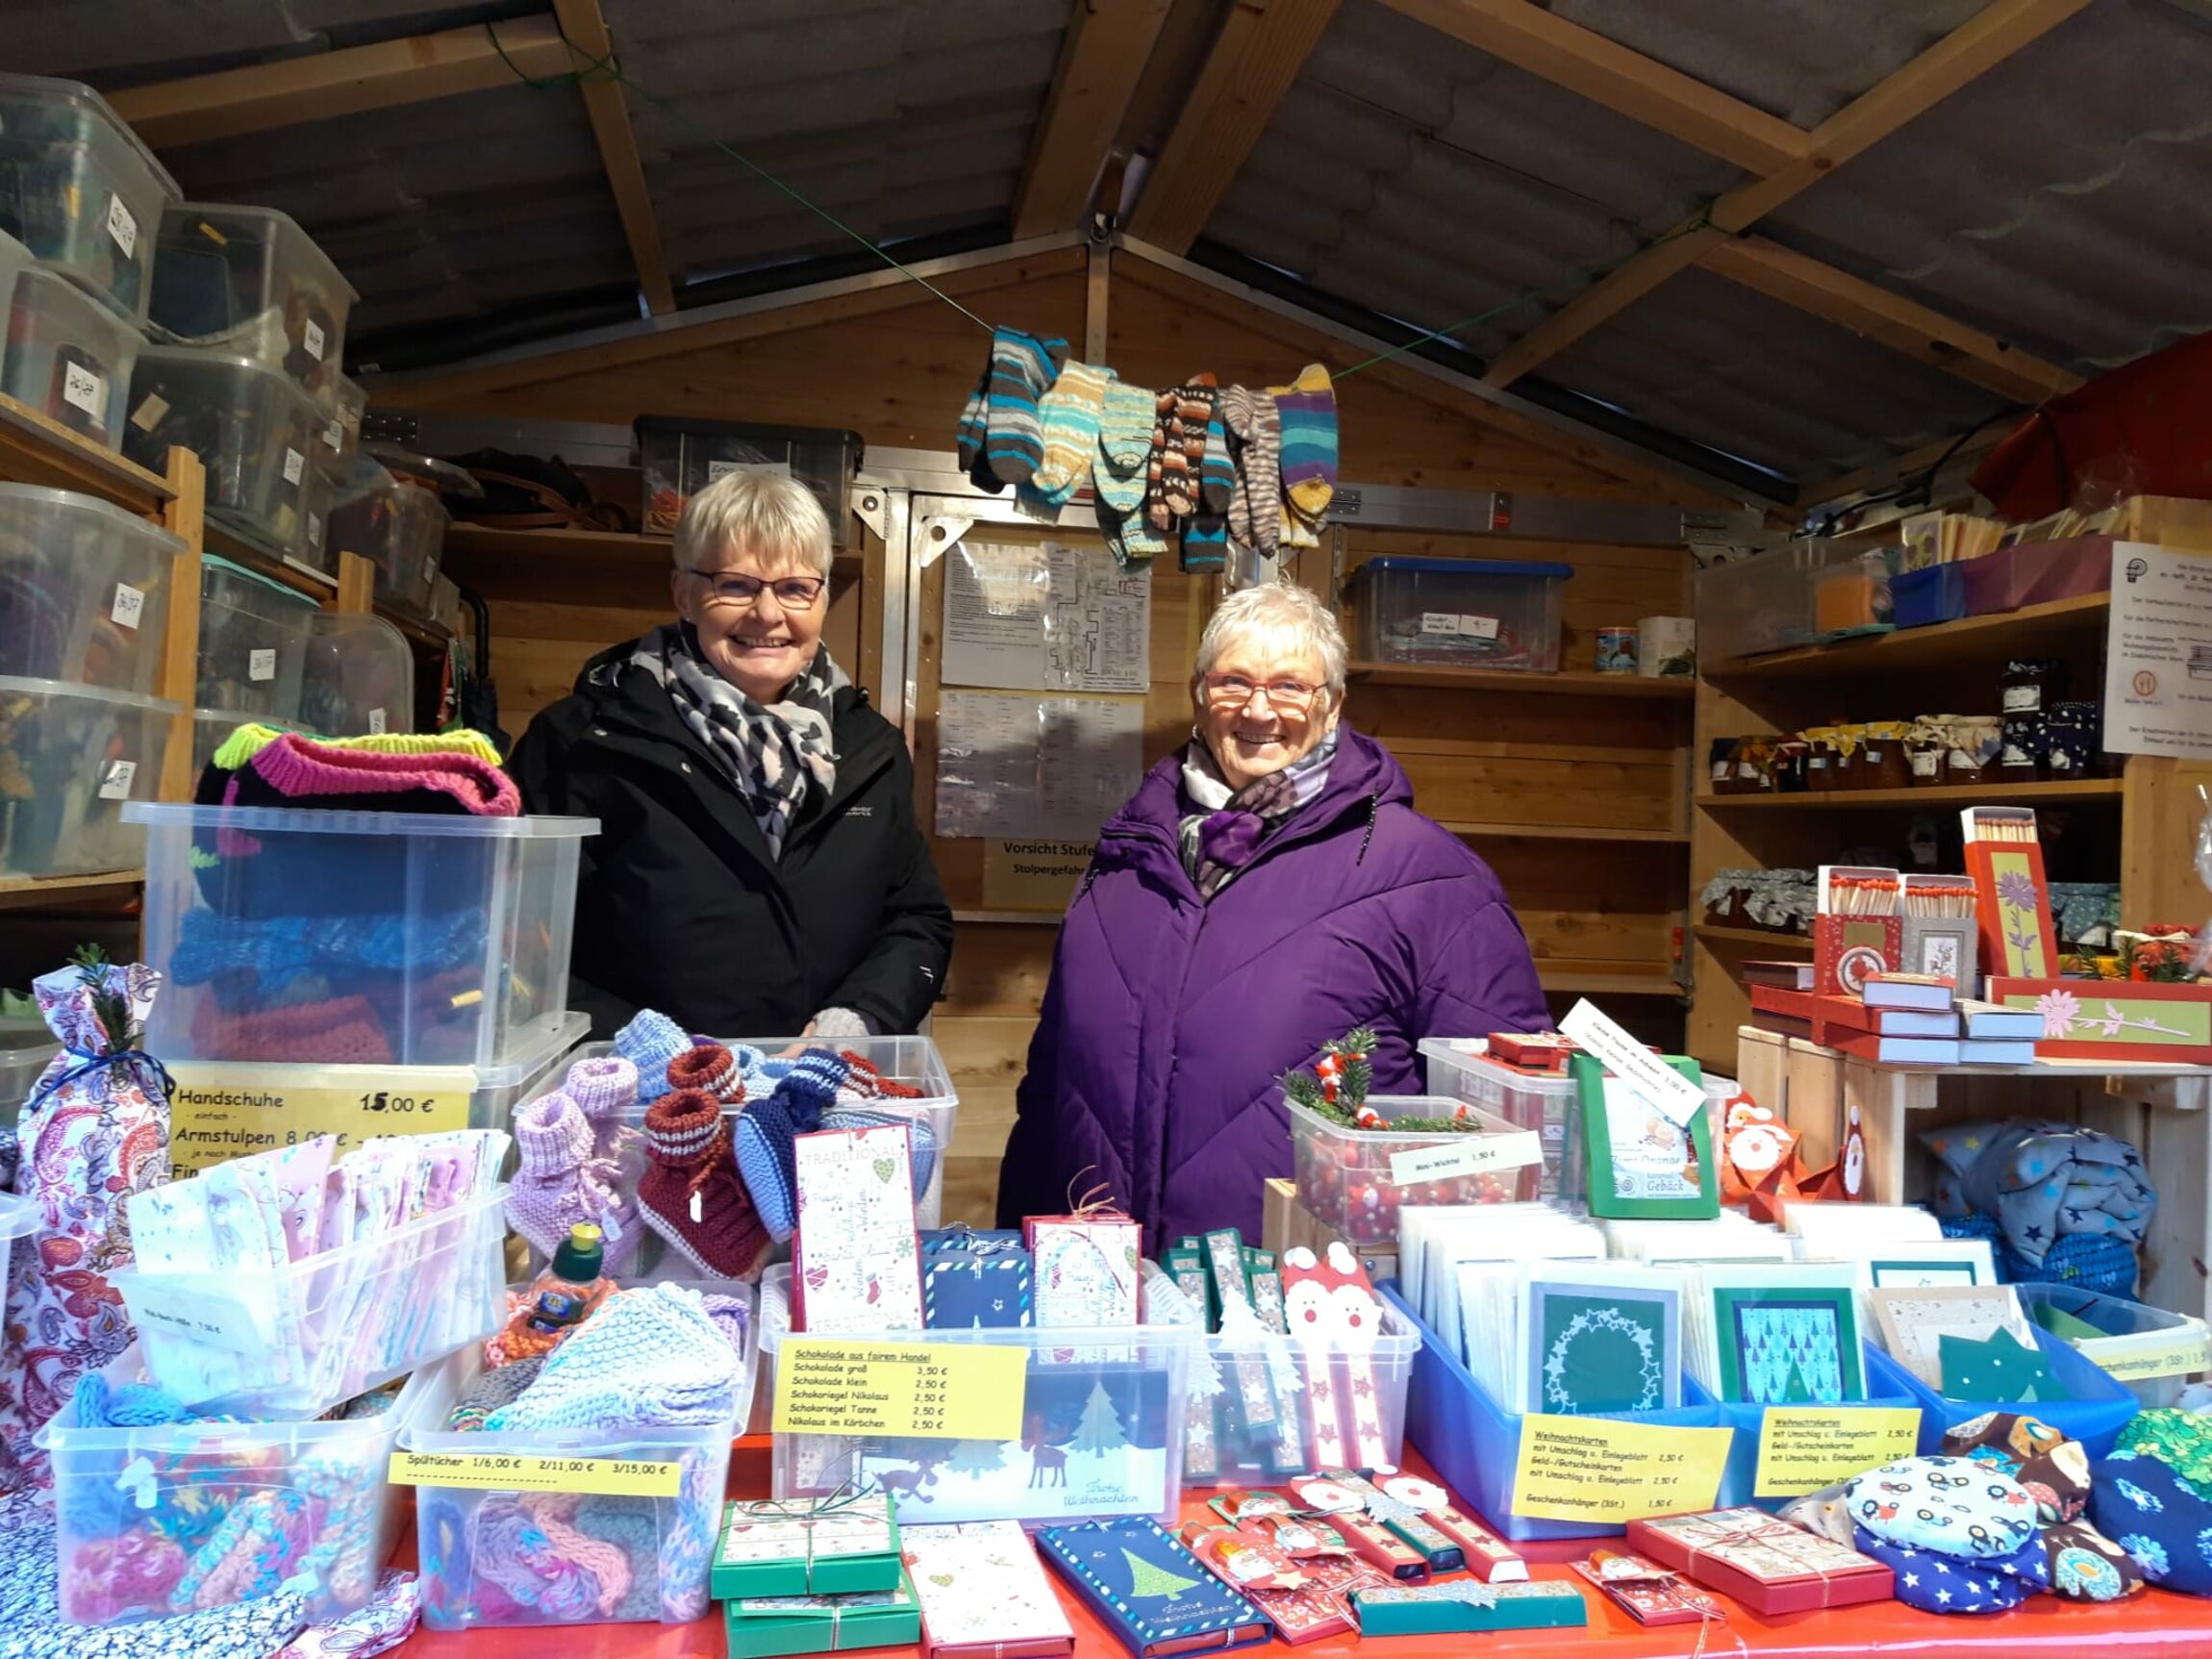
(2057, 201)
(1714, 361)
(108, 41)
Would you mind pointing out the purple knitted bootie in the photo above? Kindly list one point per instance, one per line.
(563, 1181)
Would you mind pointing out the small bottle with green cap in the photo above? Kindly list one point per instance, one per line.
(564, 1291)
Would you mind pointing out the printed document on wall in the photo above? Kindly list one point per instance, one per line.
(1044, 618)
(2158, 652)
(1048, 768)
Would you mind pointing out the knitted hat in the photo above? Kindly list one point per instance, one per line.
(921, 1140)
(691, 1192)
(559, 1183)
(710, 1069)
(648, 1043)
(766, 1128)
(649, 1358)
(602, 1086)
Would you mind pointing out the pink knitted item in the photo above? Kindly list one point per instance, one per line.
(299, 766)
(711, 1070)
(606, 1562)
(560, 1183)
(603, 1087)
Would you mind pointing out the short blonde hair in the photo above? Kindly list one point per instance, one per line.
(770, 515)
(1287, 613)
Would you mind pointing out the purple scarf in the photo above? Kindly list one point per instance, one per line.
(1229, 828)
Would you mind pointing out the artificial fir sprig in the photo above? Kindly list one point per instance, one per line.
(1336, 1089)
(109, 1006)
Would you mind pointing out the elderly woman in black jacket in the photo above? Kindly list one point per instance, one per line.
(758, 869)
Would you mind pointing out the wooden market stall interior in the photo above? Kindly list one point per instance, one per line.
(1682, 261)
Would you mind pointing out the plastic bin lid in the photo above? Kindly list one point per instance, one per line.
(69, 500)
(158, 354)
(213, 562)
(1464, 567)
(18, 1216)
(184, 814)
(55, 91)
(286, 229)
(411, 467)
(12, 685)
(688, 426)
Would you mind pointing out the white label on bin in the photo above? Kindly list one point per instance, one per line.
(151, 408)
(1468, 1155)
(294, 464)
(719, 469)
(314, 532)
(1479, 627)
(117, 784)
(261, 664)
(312, 337)
(1465, 627)
(129, 603)
(376, 723)
(123, 226)
(1439, 621)
(197, 1316)
(82, 387)
(1659, 1084)
(333, 434)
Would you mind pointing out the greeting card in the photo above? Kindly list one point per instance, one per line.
(1913, 1322)
(1153, 1593)
(1602, 1338)
(984, 1593)
(1086, 1269)
(855, 1259)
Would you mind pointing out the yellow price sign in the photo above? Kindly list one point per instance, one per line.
(933, 1390)
(2185, 1354)
(1804, 1447)
(594, 1476)
(1596, 1470)
(220, 1109)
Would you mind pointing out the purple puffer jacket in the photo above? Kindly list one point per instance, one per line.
(1168, 1022)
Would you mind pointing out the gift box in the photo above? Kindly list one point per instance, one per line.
(977, 1286)
(1086, 1267)
(2114, 1020)
(791, 1546)
(1468, 1605)
(1767, 1564)
(984, 1593)
(961, 1237)
(760, 1626)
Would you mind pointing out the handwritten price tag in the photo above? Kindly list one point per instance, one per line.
(1804, 1447)
(1466, 1155)
(598, 1476)
(1634, 1064)
(935, 1391)
(220, 1109)
(1599, 1469)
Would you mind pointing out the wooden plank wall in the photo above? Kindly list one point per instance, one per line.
(898, 377)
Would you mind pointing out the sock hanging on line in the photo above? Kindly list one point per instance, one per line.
(1308, 407)
(1069, 414)
(1124, 445)
(972, 437)
(1190, 414)
(1256, 445)
(1130, 538)
(1217, 477)
(1163, 465)
(1022, 371)
(1205, 544)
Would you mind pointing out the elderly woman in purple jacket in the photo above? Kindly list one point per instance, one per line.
(1269, 887)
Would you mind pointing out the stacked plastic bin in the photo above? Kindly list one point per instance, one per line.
(81, 205)
(397, 522)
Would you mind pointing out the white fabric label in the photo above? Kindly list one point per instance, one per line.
(123, 227)
(117, 784)
(312, 337)
(1466, 627)
(1469, 1155)
(376, 725)
(84, 389)
(294, 465)
(261, 664)
(129, 602)
(315, 531)
(1635, 1065)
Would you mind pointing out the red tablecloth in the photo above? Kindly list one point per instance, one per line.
(2177, 1625)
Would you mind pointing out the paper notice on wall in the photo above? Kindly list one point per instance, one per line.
(1044, 768)
(1044, 618)
(2158, 653)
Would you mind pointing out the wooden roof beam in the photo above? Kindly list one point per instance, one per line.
(1622, 80)
(1109, 43)
(584, 26)
(169, 114)
(1976, 47)
(1258, 54)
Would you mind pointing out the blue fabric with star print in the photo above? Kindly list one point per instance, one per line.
(2043, 1182)
(1950, 1506)
(1937, 1583)
(2143, 1507)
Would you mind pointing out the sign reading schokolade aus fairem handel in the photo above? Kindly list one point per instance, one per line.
(222, 1109)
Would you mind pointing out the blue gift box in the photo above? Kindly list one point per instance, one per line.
(1885, 1388)
(1922, 598)
(962, 1289)
(2100, 1409)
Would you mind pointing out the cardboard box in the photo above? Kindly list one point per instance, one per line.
(762, 1627)
(1767, 1564)
(1278, 1204)
(2114, 1018)
(794, 1547)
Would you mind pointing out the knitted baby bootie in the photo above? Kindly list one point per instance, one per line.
(648, 1043)
(710, 1069)
(691, 1192)
(562, 1181)
(604, 1087)
(766, 1128)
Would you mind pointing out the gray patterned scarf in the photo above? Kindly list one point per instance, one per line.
(1227, 832)
(773, 751)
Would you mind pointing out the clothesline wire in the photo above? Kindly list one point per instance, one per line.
(607, 68)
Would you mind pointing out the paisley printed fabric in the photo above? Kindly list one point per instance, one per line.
(1938, 1583)
(2053, 1469)
(1953, 1506)
(2158, 1518)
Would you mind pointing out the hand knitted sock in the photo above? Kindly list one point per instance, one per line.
(691, 1192)
(604, 1087)
(1205, 543)
(1130, 538)
(1022, 371)
(648, 1043)
(1308, 407)
(649, 1358)
(1193, 414)
(1165, 466)
(561, 1182)
(1217, 476)
(767, 1129)
(1125, 444)
(1292, 530)
(974, 426)
(1069, 414)
(1255, 432)
(710, 1069)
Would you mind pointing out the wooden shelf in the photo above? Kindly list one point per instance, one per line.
(29, 891)
(1715, 933)
(2031, 630)
(1565, 832)
(597, 546)
(1568, 681)
(1577, 982)
(1937, 796)
(37, 450)
(225, 542)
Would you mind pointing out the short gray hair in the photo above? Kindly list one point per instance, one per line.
(1284, 611)
(770, 515)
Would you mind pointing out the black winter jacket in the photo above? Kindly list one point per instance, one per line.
(680, 907)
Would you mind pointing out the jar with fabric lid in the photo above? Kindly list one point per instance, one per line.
(1755, 766)
(1882, 764)
(1720, 767)
(1821, 757)
(1790, 756)
(2071, 738)
(1926, 741)
(1975, 741)
(2024, 742)
(1849, 741)
(2032, 685)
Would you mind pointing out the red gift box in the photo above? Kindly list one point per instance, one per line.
(1767, 1564)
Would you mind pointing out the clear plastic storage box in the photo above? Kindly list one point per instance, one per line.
(326, 1327)
(212, 729)
(84, 590)
(253, 639)
(1357, 1180)
(70, 357)
(358, 679)
(1459, 613)
(398, 527)
(441, 941)
(1101, 1426)
(680, 458)
(15, 257)
(71, 758)
(79, 190)
(2149, 1351)
(1230, 1373)
(252, 427)
(1459, 1067)
(1765, 602)
(666, 1544)
(313, 1495)
(249, 280)
(343, 401)
(26, 1045)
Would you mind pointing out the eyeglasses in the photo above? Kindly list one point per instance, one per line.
(792, 593)
(1234, 691)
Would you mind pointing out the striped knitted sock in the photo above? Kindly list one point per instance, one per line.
(1308, 407)
(1190, 413)
(1205, 543)
(1217, 477)
(1255, 431)
(1022, 371)
(969, 436)
(1129, 536)
(1069, 414)
(1293, 531)
(1164, 463)
(1124, 445)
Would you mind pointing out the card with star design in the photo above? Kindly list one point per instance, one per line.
(1912, 1323)
(1604, 1337)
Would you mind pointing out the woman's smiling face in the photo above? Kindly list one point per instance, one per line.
(1263, 704)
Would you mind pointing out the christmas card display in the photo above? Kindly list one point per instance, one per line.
(1468, 1604)
(761, 1627)
(837, 1546)
(1652, 1594)
(855, 1257)
(1999, 1367)
(1912, 1323)
(1571, 1338)
(1857, 931)
(1768, 1564)
(1768, 1334)
(2013, 900)
(1437, 1244)
(973, 1279)
(1641, 1161)
(984, 1593)
(1487, 1555)
(1151, 1590)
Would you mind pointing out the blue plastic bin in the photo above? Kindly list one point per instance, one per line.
(2099, 1411)
(2120, 1318)
(1923, 598)
(1741, 1479)
(1474, 1443)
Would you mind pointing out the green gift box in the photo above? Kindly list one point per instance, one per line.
(763, 1625)
(1468, 1605)
(831, 1547)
